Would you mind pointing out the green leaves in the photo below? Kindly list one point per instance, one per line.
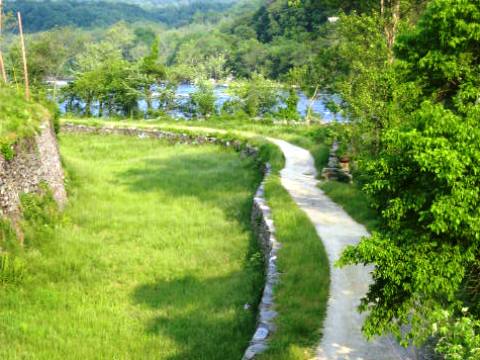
(203, 99)
(443, 51)
(424, 180)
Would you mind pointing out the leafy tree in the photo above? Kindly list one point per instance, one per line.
(290, 112)
(50, 54)
(114, 86)
(205, 54)
(152, 73)
(425, 184)
(442, 54)
(203, 99)
(95, 54)
(257, 96)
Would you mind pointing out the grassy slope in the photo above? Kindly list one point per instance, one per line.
(301, 297)
(18, 118)
(154, 260)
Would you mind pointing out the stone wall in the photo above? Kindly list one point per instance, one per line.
(35, 160)
(261, 217)
(264, 228)
(174, 137)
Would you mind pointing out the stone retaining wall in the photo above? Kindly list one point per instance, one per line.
(174, 137)
(35, 160)
(261, 219)
(264, 228)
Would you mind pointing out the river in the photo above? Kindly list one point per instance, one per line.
(183, 92)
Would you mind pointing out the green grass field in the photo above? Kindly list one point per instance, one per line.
(153, 259)
(315, 138)
(301, 297)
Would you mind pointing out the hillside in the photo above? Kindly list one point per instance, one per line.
(144, 3)
(45, 15)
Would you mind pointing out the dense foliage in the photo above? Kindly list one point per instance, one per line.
(45, 15)
(421, 168)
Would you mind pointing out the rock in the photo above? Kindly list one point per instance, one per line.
(254, 350)
(261, 334)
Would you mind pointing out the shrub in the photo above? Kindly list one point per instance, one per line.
(203, 99)
(290, 112)
(257, 96)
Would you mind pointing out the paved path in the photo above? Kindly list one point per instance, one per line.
(342, 338)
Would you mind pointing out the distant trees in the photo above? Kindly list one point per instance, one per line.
(49, 54)
(105, 79)
(46, 15)
(151, 72)
(256, 97)
(204, 54)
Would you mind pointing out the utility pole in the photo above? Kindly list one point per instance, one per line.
(2, 64)
(24, 56)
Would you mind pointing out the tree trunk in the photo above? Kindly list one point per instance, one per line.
(390, 25)
(148, 98)
(308, 117)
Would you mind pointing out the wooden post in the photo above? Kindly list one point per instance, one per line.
(2, 69)
(24, 55)
(2, 63)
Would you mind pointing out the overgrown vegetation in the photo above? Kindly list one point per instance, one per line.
(413, 100)
(11, 269)
(40, 216)
(19, 119)
(301, 303)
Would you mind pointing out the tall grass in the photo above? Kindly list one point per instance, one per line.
(18, 118)
(153, 259)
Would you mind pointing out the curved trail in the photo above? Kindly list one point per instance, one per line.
(342, 338)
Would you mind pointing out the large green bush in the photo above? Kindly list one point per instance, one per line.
(425, 183)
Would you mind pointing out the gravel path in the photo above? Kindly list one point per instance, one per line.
(342, 338)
